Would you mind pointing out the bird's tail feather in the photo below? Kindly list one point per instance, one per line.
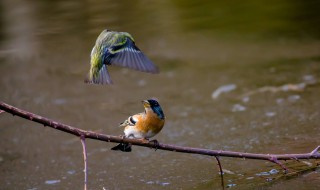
(124, 147)
(102, 77)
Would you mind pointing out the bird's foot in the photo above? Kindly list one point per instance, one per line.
(156, 144)
(145, 141)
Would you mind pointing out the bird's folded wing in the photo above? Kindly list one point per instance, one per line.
(132, 120)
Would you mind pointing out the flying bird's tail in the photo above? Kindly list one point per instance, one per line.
(98, 76)
(124, 147)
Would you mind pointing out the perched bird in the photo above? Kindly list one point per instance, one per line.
(116, 48)
(143, 125)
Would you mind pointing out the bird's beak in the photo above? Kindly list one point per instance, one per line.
(146, 104)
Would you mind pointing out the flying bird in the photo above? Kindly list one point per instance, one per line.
(143, 125)
(116, 48)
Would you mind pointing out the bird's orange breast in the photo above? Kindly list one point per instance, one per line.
(149, 122)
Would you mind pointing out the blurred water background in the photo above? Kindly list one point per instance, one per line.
(235, 75)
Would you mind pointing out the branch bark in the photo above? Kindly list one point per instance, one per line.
(314, 154)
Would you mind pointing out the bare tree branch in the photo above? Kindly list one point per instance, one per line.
(169, 147)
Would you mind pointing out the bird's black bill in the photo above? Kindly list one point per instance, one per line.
(124, 147)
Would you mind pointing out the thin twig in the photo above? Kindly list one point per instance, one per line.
(221, 171)
(85, 170)
(276, 161)
(169, 147)
(315, 151)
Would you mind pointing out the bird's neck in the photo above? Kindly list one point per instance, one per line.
(154, 112)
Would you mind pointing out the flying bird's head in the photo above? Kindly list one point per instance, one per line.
(153, 105)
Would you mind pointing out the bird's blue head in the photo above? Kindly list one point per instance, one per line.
(155, 106)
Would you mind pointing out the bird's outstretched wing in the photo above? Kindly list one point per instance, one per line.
(127, 54)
